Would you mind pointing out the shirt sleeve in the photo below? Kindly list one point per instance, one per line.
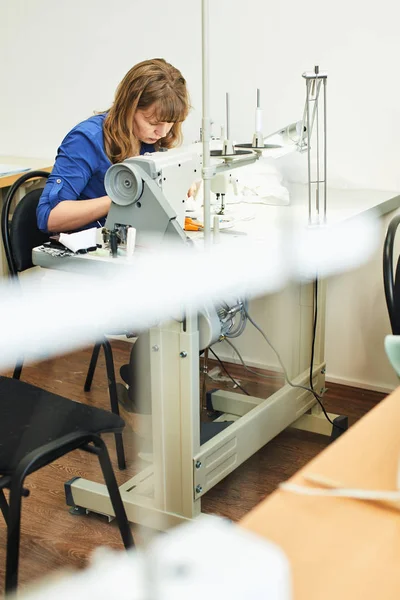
(75, 164)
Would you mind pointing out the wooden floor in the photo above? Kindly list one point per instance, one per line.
(51, 537)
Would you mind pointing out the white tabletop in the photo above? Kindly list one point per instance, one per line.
(343, 204)
(254, 220)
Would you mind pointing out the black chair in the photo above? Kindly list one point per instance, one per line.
(20, 235)
(112, 384)
(36, 428)
(391, 281)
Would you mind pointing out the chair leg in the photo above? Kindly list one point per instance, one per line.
(115, 496)
(18, 370)
(13, 535)
(4, 506)
(112, 390)
(92, 367)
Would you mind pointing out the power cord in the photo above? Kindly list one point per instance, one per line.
(294, 385)
(226, 371)
(312, 355)
(248, 368)
(227, 316)
(314, 332)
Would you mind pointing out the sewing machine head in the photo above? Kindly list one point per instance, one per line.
(149, 193)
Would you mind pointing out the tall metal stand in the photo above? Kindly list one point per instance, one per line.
(317, 159)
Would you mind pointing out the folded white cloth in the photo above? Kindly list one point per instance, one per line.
(81, 240)
(262, 183)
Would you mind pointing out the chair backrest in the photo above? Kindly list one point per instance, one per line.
(392, 282)
(20, 233)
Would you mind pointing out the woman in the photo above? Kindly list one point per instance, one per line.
(150, 104)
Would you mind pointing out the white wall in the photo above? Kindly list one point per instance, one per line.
(61, 60)
(356, 323)
(65, 58)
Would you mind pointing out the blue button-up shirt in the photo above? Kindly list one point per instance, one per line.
(79, 169)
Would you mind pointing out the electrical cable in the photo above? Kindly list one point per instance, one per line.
(314, 331)
(239, 329)
(242, 323)
(288, 381)
(312, 353)
(248, 368)
(230, 376)
(227, 316)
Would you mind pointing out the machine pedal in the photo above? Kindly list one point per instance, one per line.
(340, 426)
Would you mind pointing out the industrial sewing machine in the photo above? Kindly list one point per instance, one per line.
(148, 193)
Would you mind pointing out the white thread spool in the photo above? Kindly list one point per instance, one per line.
(258, 140)
(130, 241)
(99, 237)
(258, 123)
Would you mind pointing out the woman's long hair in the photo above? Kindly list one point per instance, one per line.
(150, 83)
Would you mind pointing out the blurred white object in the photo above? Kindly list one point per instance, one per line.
(216, 559)
(322, 249)
(209, 558)
(151, 288)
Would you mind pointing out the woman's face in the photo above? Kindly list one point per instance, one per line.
(146, 129)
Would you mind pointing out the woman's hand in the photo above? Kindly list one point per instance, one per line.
(192, 191)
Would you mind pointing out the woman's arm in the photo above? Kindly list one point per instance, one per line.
(70, 214)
